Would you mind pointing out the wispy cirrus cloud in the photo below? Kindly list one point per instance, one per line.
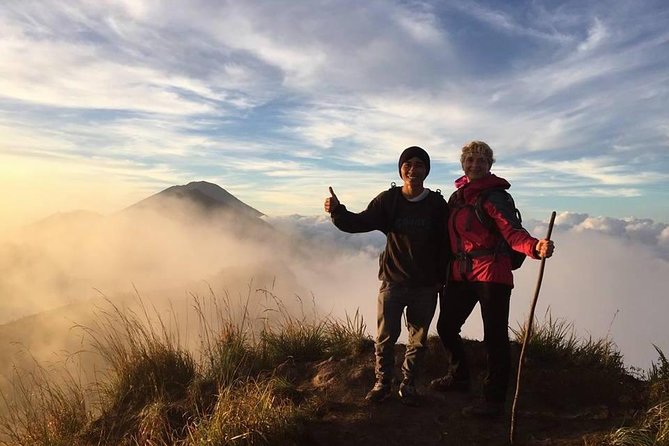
(504, 18)
(342, 87)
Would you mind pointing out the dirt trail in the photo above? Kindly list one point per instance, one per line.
(558, 407)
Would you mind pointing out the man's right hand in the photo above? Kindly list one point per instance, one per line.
(331, 202)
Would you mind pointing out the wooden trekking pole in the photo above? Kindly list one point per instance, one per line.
(528, 332)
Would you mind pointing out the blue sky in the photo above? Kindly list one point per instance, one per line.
(103, 103)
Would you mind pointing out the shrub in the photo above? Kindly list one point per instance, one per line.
(312, 338)
(250, 414)
(652, 431)
(554, 341)
(349, 337)
(653, 428)
(658, 377)
(154, 392)
(42, 411)
(227, 349)
(146, 366)
(296, 340)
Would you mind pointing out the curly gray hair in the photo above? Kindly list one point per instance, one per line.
(478, 148)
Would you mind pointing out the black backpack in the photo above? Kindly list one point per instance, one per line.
(517, 258)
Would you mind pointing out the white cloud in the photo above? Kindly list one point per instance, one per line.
(422, 26)
(501, 20)
(602, 171)
(606, 285)
(648, 234)
(569, 218)
(65, 75)
(608, 276)
(664, 238)
(306, 90)
(298, 63)
(596, 34)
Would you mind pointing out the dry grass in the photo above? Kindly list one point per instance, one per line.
(652, 429)
(157, 392)
(251, 414)
(554, 341)
(45, 410)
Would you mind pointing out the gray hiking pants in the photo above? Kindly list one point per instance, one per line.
(420, 304)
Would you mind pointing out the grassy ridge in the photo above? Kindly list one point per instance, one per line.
(157, 392)
(554, 341)
(652, 428)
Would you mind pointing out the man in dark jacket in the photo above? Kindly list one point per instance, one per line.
(481, 272)
(411, 268)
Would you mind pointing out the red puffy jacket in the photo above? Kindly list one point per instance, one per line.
(475, 247)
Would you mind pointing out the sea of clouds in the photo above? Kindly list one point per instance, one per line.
(609, 277)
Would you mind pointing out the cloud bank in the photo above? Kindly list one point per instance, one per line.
(609, 277)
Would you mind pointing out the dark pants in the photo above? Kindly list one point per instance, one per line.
(455, 307)
(420, 304)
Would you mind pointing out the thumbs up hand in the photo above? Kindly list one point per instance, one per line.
(331, 202)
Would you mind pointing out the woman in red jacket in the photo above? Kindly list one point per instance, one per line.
(481, 272)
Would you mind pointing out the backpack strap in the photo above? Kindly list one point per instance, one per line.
(486, 220)
(483, 216)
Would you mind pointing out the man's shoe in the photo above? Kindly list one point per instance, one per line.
(484, 409)
(379, 392)
(449, 384)
(408, 394)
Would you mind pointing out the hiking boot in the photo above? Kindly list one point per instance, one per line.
(379, 392)
(484, 409)
(408, 394)
(449, 384)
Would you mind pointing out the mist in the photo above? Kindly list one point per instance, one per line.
(62, 274)
(609, 283)
(74, 257)
(608, 276)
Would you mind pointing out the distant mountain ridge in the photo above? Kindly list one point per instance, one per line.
(207, 195)
(66, 254)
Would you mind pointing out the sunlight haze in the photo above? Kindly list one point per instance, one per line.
(104, 104)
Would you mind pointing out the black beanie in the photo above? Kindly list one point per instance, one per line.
(411, 152)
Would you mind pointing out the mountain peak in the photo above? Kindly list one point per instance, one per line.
(204, 186)
(205, 194)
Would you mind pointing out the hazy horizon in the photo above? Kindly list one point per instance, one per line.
(7, 227)
(608, 277)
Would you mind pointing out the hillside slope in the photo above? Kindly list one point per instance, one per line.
(302, 382)
(558, 405)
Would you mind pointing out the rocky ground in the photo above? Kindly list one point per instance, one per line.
(558, 405)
